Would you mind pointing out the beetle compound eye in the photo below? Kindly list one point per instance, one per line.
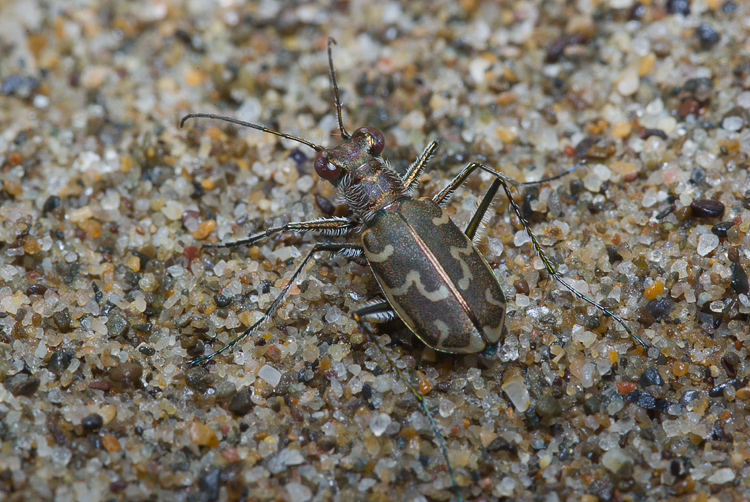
(325, 169)
(377, 140)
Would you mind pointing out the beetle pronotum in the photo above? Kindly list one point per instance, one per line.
(433, 277)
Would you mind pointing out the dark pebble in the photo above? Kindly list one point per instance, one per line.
(92, 422)
(522, 286)
(646, 133)
(209, 482)
(221, 300)
(325, 205)
(241, 404)
(36, 289)
(678, 7)
(556, 49)
(613, 254)
(299, 158)
(118, 486)
(117, 325)
(102, 385)
(52, 203)
(665, 212)
(196, 378)
(499, 443)
(126, 374)
(659, 308)
(548, 407)
(707, 35)
(687, 107)
(602, 488)
(718, 391)
(720, 229)
(22, 384)
(688, 396)
(593, 404)
(651, 377)
(706, 208)
(62, 320)
(680, 467)
(697, 175)
(146, 350)
(143, 327)
(19, 85)
(647, 401)
(59, 361)
(739, 279)
(732, 359)
(532, 417)
(224, 390)
(729, 7)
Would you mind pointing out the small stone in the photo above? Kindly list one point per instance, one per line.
(647, 401)
(204, 229)
(126, 374)
(706, 208)
(110, 443)
(62, 320)
(203, 435)
(678, 7)
(618, 463)
(117, 325)
(380, 423)
(271, 375)
(22, 384)
(92, 422)
(548, 407)
(629, 83)
(720, 229)
(707, 35)
(52, 203)
(721, 476)
(59, 361)
(209, 483)
(222, 301)
(298, 492)
(516, 390)
(659, 308)
(707, 243)
(740, 283)
(651, 377)
(241, 404)
(680, 368)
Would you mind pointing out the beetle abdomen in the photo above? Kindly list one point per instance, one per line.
(434, 277)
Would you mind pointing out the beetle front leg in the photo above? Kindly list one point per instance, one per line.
(412, 174)
(333, 247)
(329, 227)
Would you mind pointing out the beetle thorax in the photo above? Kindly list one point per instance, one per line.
(370, 187)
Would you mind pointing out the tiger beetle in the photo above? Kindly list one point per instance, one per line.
(431, 273)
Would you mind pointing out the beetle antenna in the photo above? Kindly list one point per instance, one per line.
(312, 145)
(336, 98)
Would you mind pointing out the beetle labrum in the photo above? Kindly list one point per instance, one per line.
(432, 275)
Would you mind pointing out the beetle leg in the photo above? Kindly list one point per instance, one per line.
(420, 398)
(412, 174)
(477, 220)
(333, 247)
(554, 273)
(330, 227)
(376, 311)
(445, 194)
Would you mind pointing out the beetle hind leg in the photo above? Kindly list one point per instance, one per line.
(376, 311)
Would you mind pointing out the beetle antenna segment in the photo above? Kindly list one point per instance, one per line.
(551, 178)
(312, 145)
(336, 98)
(422, 403)
(551, 269)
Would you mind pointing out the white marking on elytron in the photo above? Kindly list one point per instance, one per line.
(386, 253)
(414, 278)
(442, 328)
(442, 219)
(491, 299)
(455, 252)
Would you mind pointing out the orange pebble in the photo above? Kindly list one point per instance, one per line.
(625, 387)
(654, 290)
(204, 229)
(680, 368)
